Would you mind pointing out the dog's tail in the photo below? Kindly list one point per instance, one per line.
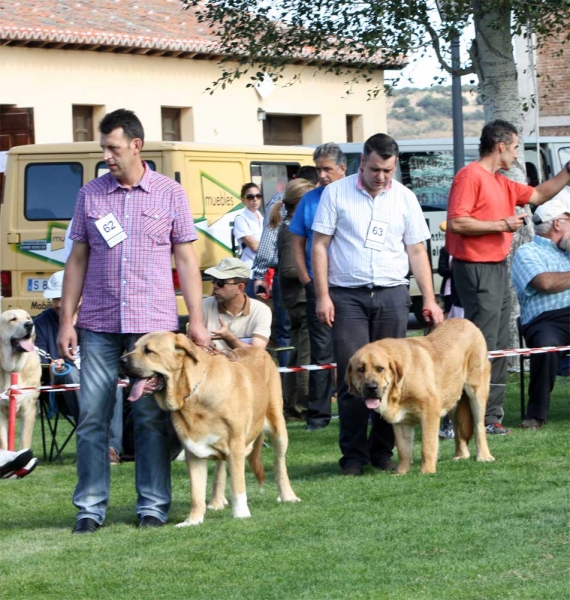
(464, 418)
(254, 459)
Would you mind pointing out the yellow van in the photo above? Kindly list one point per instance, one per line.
(42, 181)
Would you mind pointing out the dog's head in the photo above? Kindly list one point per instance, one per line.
(158, 364)
(375, 376)
(17, 330)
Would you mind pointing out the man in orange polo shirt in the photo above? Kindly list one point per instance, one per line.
(481, 222)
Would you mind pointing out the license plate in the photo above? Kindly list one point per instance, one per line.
(37, 285)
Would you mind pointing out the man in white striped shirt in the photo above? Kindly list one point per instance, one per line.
(369, 231)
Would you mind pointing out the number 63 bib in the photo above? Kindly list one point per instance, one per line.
(376, 236)
(110, 229)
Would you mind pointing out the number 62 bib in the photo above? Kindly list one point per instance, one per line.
(110, 229)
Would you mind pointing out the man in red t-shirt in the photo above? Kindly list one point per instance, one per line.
(481, 222)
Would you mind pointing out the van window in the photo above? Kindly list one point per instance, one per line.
(51, 189)
(564, 154)
(101, 167)
(272, 178)
(430, 174)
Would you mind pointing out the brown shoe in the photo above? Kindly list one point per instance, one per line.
(114, 457)
(532, 424)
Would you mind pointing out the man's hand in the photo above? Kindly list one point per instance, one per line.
(58, 365)
(435, 312)
(515, 222)
(256, 285)
(222, 332)
(198, 333)
(325, 311)
(67, 341)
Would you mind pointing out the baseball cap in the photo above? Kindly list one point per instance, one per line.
(229, 267)
(54, 286)
(559, 205)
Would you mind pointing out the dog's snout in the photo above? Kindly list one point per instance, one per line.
(370, 388)
(124, 361)
(28, 326)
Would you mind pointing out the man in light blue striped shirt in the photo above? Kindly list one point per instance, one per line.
(541, 276)
(369, 231)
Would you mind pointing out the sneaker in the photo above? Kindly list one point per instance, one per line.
(497, 429)
(25, 470)
(447, 433)
(114, 457)
(532, 424)
(12, 461)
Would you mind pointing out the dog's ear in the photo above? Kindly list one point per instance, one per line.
(397, 378)
(348, 378)
(186, 345)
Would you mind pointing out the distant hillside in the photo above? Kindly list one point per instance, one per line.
(426, 113)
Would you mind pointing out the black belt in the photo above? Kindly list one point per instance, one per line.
(480, 262)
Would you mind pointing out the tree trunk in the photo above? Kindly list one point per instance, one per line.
(492, 55)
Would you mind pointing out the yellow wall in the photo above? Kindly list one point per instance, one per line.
(51, 81)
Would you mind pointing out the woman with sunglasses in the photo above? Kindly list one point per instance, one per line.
(248, 226)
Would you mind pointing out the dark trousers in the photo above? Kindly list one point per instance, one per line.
(483, 289)
(321, 383)
(296, 386)
(281, 325)
(361, 316)
(551, 328)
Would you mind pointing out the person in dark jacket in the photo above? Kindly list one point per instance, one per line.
(47, 328)
(296, 389)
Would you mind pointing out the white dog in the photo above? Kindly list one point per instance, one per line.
(17, 355)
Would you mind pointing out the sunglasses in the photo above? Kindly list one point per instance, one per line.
(253, 196)
(222, 282)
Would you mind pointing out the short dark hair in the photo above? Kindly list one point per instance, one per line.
(331, 151)
(494, 133)
(247, 186)
(309, 173)
(126, 119)
(381, 143)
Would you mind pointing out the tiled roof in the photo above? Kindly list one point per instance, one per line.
(158, 27)
(152, 27)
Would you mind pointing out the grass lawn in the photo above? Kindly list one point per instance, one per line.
(482, 531)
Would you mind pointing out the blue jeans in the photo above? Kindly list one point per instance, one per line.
(100, 353)
(72, 403)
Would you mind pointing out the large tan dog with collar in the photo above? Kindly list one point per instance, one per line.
(416, 381)
(18, 355)
(221, 408)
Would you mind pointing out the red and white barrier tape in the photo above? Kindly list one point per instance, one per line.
(124, 383)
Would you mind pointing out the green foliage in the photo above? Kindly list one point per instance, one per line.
(401, 102)
(472, 531)
(353, 38)
(475, 115)
(436, 106)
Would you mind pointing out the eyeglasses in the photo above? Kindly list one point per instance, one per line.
(563, 219)
(253, 196)
(222, 282)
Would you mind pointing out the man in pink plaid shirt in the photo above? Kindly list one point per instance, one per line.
(126, 227)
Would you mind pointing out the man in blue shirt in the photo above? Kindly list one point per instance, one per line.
(541, 276)
(331, 166)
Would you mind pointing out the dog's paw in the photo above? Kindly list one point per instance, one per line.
(461, 456)
(485, 458)
(218, 504)
(241, 513)
(191, 522)
(288, 498)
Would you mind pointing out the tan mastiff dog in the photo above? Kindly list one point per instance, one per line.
(18, 355)
(416, 381)
(221, 408)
